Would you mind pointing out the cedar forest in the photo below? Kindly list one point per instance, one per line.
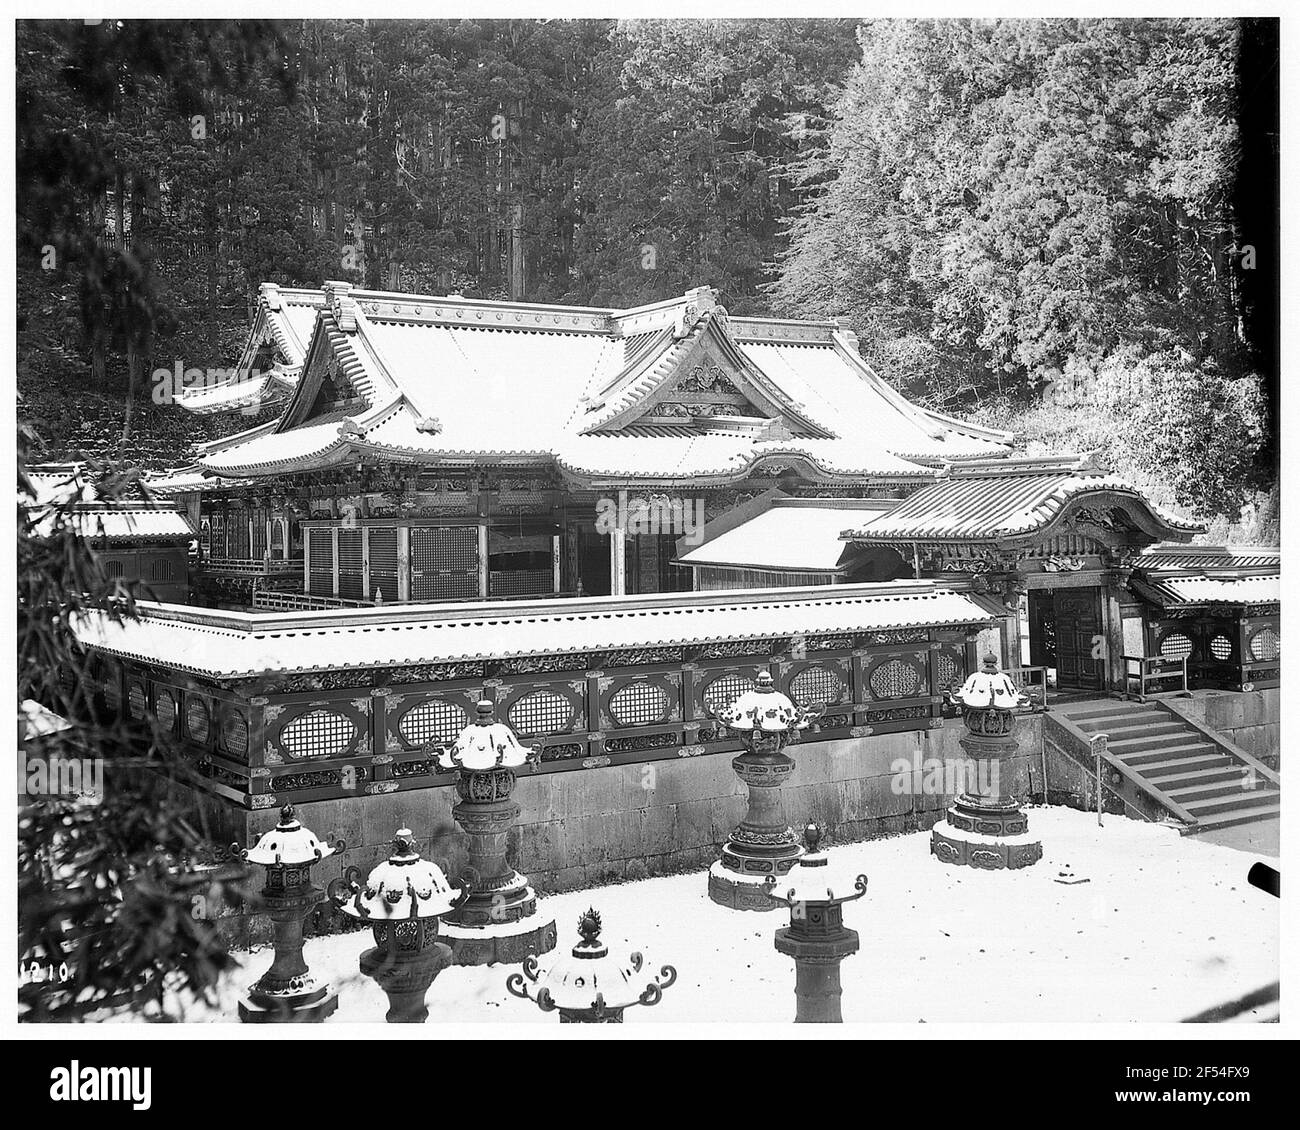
(1062, 227)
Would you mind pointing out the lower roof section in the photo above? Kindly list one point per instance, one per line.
(1260, 591)
(997, 501)
(794, 535)
(225, 645)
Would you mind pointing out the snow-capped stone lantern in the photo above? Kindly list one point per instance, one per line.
(985, 826)
(499, 921)
(402, 900)
(762, 846)
(287, 992)
(816, 938)
(591, 986)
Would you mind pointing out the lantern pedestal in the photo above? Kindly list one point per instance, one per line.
(402, 900)
(986, 827)
(817, 960)
(405, 976)
(762, 845)
(287, 992)
(499, 921)
(816, 938)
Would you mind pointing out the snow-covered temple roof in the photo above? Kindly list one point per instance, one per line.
(271, 363)
(996, 501)
(60, 496)
(221, 644)
(1199, 576)
(673, 392)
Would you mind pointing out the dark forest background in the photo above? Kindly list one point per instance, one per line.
(1064, 227)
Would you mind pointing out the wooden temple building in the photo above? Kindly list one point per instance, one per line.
(608, 521)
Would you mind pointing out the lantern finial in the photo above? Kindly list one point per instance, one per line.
(484, 709)
(764, 681)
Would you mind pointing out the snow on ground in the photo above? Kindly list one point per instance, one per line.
(1165, 927)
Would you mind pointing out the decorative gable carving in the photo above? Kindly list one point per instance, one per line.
(700, 378)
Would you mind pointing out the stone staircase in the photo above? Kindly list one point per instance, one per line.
(1194, 774)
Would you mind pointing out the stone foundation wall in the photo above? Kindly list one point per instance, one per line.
(1250, 719)
(598, 826)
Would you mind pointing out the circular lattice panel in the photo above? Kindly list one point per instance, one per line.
(1265, 645)
(639, 704)
(815, 686)
(1176, 645)
(234, 736)
(164, 709)
(949, 669)
(895, 679)
(136, 701)
(1221, 647)
(197, 724)
(725, 689)
(318, 733)
(541, 712)
(433, 721)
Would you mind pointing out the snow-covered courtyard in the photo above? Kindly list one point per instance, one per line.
(1164, 927)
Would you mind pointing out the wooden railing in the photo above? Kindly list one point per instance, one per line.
(268, 600)
(1147, 675)
(251, 566)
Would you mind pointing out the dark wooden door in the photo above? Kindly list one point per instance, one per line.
(1080, 646)
(1042, 629)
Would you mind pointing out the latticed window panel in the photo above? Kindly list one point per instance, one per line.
(237, 533)
(520, 582)
(541, 712)
(197, 722)
(895, 679)
(434, 721)
(234, 736)
(112, 691)
(1176, 645)
(815, 686)
(1221, 647)
(320, 561)
(136, 702)
(164, 710)
(1265, 645)
(950, 669)
(444, 562)
(257, 547)
(639, 704)
(350, 571)
(160, 569)
(113, 569)
(318, 733)
(383, 564)
(724, 690)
